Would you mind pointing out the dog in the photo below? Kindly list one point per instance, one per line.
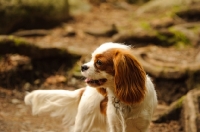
(119, 96)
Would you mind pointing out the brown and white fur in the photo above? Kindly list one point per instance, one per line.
(119, 96)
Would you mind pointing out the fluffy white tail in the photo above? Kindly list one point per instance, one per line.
(56, 102)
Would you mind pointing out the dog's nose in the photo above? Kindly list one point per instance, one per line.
(84, 68)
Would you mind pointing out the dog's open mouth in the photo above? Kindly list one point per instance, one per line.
(98, 82)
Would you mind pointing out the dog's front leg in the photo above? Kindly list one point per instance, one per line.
(89, 118)
(115, 118)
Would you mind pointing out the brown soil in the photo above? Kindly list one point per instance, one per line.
(14, 115)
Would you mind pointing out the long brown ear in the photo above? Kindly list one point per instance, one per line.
(129, 78)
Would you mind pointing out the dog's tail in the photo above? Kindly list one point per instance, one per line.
(56, 102)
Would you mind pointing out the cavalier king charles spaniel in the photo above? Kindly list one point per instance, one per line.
(119, 96)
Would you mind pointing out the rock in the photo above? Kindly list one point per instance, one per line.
(69, 32)
(191, 114)
(79, 6)
(55, 79)
(37, 82)
(15, 101)
(23, 14)
(27, 86)
(106, 32)
(155, 6)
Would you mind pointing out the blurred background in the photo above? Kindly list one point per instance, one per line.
(44, 42)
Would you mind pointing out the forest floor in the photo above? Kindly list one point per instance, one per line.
(16, 117)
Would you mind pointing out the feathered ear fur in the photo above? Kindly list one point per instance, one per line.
(129, 78)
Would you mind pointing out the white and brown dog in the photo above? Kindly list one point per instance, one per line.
(119, 96)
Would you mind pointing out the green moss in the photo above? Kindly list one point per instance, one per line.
(76, 68)
(177, 39)
(166, 40)
(75, 71)
(180, 102)
(180, 45)
(173, 11)
(180, 39)
(19, 41)
(162, 37)
(196, 29)
(16, 41)
(62, 51)
(145, 26)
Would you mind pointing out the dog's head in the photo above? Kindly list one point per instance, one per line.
(113, 66)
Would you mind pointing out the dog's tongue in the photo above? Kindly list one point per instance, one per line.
(87, 80)
(98, 82)
(92, 81)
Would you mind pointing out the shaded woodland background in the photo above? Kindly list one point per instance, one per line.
(43, 44)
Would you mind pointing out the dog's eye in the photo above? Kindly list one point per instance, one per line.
(98, 62)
